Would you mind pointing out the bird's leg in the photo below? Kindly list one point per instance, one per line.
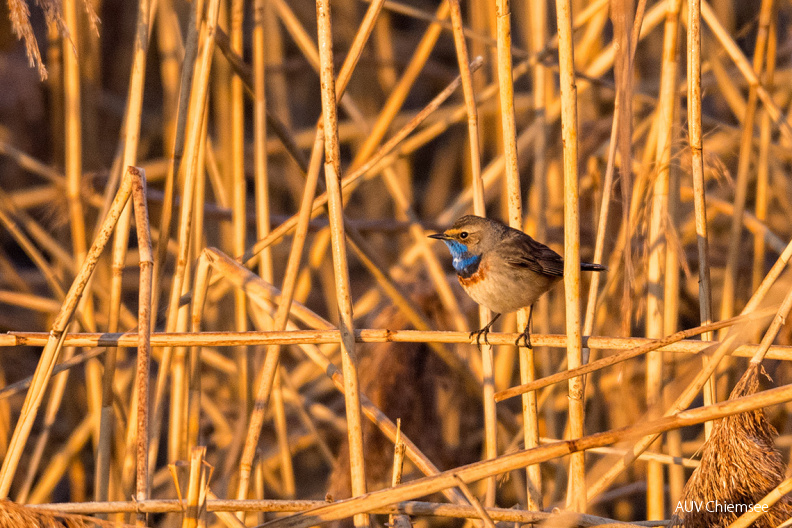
(526, 335)
(484, 331)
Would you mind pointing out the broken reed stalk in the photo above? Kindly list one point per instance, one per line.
(54, 343)
(569, 132)
(398, 521)
(332, 168)
(510, 462)
(195, 513)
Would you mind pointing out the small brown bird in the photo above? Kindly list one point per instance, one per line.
(502, 268)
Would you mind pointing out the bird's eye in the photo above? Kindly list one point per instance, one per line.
(463, 234)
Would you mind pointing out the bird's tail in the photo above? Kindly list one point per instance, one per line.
(587, 266)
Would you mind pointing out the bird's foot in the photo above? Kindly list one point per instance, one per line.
(525, 337)
(479, 333)
(484, 331)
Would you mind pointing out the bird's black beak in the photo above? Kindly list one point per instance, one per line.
(439, 236)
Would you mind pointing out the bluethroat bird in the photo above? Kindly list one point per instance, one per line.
(502, 268)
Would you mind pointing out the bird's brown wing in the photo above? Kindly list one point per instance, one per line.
(520, 250)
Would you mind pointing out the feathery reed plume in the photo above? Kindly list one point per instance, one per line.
(739, 466)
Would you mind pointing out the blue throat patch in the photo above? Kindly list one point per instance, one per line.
(465, 263)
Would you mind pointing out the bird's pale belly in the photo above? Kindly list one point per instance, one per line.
(504, 293)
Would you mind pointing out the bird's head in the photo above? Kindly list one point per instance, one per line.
(469, 238)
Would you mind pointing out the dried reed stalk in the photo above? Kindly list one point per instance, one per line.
(569, 132)
(697, 173)
(221, 506)
(515, 217)
(623, 356)
(658, 230)
(146, 256)
(487, 358)
(332, 168)
(131, 138)
(323, 335)
(762, 169)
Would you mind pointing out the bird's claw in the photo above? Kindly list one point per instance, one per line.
(526, 339)
(478, 333)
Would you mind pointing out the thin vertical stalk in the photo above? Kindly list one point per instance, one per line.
(289, 488)
(537, 198)
(697, 173)
(263, 222)
(729, 293)
(763, 165)
(200, 286)
(599, 243)
(239, 195)
(49, 355)
(576, 490)
(73, 132)
(487, 359)
(169, 45)
(514, 201)
(340, 267)
(146, 255)
(623, 110)
(658, 243)
(260, 138)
